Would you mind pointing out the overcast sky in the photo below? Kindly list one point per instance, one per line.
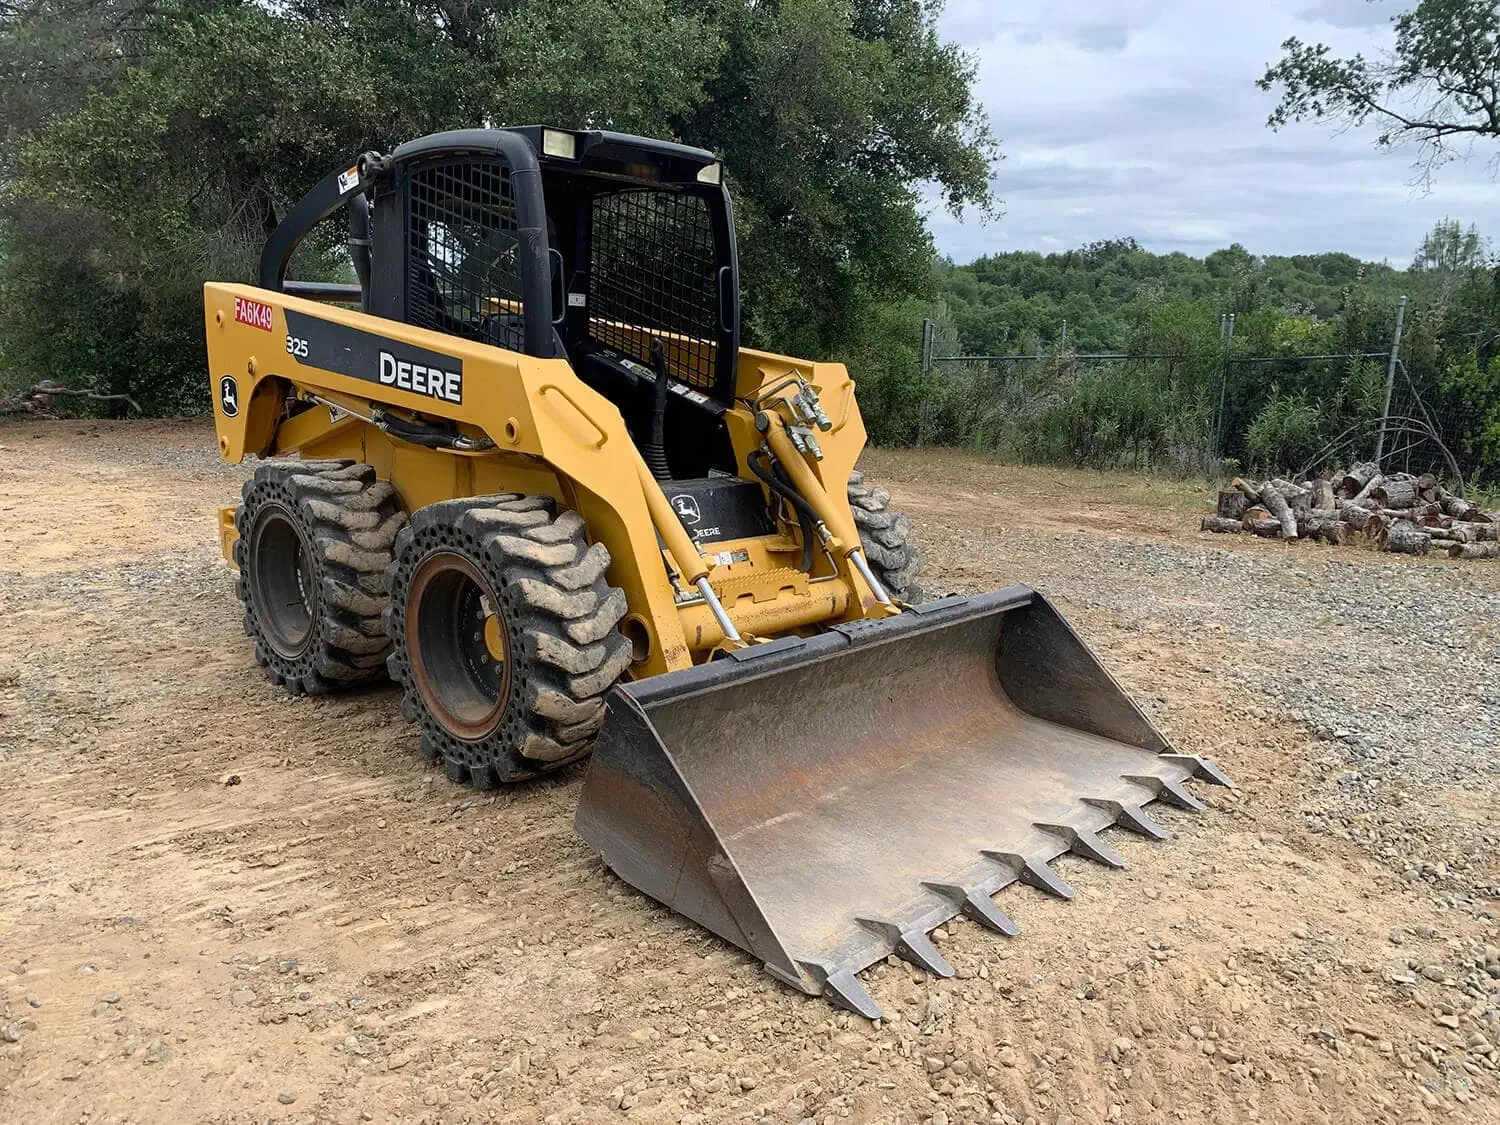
(1141, 118)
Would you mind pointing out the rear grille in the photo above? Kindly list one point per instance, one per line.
(653, 275)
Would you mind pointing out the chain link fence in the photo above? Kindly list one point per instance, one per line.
(1213, 413)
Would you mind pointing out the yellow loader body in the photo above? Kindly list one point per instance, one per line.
(552, 434)
(532, 476)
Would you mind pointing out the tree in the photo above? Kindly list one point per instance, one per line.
(158, 141)
(1438, 87)
(1449, 249)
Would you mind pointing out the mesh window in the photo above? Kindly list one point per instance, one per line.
(463, 260)
(653, 275)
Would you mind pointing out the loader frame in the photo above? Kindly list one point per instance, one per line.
(444, 414)
(808, 767)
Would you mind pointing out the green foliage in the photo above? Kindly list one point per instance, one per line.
(157, 144)
(1285, 433)
(1259, 403)
(1475, 385)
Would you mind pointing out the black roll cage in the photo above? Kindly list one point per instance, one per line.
(601, 162)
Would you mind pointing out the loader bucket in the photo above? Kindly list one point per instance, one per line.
(825, 802)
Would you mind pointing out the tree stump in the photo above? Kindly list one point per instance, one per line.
(1232, 504)
(1325, 526)
(1395, 494)
(1406, 538)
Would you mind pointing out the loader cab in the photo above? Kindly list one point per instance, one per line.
(612, 251)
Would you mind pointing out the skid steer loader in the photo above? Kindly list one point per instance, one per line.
(525, 468)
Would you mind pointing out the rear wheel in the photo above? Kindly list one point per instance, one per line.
(887, 538)
(314, 541)
(506, 635)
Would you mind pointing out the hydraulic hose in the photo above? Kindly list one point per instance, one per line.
(771, 472)
(656, 448)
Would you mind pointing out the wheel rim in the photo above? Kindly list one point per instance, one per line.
(458, 645)
(282, 581)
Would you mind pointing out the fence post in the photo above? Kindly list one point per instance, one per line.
(1226, 337)
(1390, 380)
(929, 332)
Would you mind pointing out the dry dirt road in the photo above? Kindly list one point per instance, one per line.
(221, 904)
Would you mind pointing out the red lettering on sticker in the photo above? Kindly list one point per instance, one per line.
(252, 313)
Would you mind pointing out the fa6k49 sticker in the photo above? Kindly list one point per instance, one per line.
(253, 313)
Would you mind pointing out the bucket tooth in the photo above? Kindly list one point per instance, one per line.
(911, 945)
(1166, 790)
(1132, 817)
(843, 990)
(978, 906)
(1034, 873)
(1201, 768)
(1083, 842)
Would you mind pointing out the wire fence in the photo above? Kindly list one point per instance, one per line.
(1214, 413)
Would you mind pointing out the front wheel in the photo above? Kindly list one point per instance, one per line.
(506, 635)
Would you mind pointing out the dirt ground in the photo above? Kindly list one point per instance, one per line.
(221, 904)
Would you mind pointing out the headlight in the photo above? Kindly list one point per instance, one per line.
(557, 143)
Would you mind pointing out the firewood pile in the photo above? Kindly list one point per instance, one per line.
(1403, 513)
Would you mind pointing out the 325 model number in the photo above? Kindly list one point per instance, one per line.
(296, 347)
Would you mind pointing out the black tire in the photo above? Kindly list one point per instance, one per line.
(315, 538)
(506, 635)
(886, 535)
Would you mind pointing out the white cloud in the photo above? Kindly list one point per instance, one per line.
(1141, 118)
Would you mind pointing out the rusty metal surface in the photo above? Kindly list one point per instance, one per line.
(825, 802)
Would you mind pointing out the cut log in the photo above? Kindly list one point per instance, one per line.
(1266, 529)
(1357, 517)
(1326, 526)
(1322, 491)
(1286, 487)
(1458, 507)
(1276, 504)
(1481, 532)
(1232, 504)
(1427, 486)
(1374, 482)
(1426, 513)
(1222, 524)
(1395, 494)
(1357, 477)
(1406, 538)
(1257, 512)
(1474, 550)
(1251, 490)
(1300, 502)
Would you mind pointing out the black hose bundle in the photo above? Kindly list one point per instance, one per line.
(767, 469)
